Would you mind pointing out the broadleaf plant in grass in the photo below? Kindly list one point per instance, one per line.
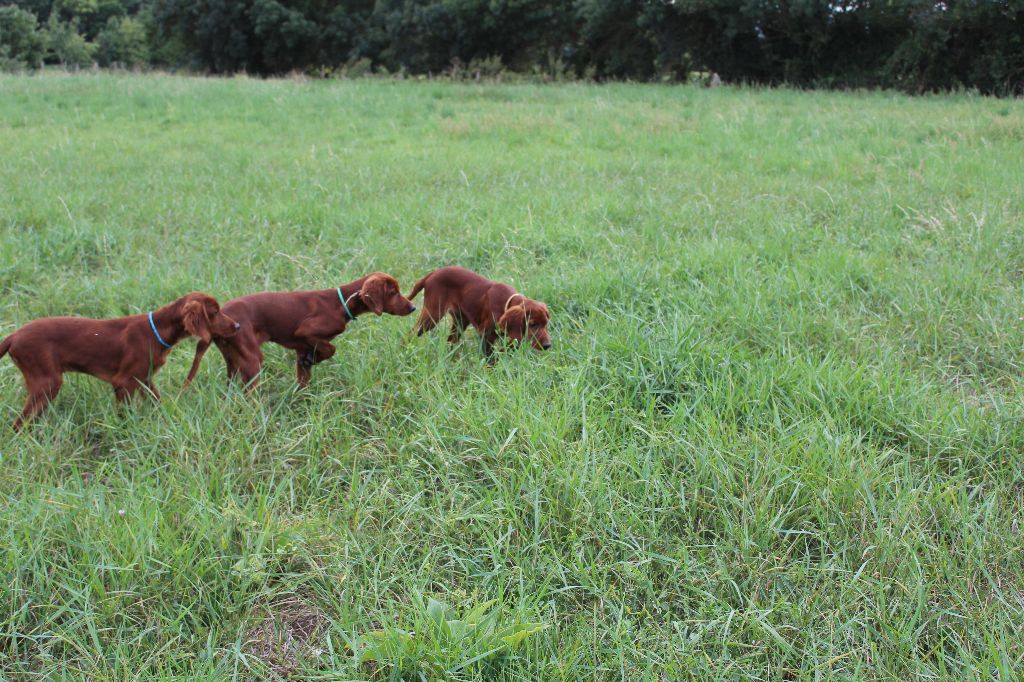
(440, 641)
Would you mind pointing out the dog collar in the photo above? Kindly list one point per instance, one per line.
(345, 305)
(152, 325)
(509, 300)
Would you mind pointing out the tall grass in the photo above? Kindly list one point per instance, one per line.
(780, 434)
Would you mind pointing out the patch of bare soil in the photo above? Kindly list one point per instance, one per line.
(289, 633)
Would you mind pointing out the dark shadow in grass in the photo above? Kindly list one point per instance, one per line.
(289, 632)
(668, 397)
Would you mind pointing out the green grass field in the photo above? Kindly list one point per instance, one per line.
(780, 434)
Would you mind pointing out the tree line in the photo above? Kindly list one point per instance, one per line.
(912, 45)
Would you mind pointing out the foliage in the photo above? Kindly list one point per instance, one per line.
(21, 43)
(65, 45)
(614, 38)
(914, 45)
(123, 43)
(439, 642)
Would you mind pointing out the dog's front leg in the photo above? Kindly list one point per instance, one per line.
(315, 352)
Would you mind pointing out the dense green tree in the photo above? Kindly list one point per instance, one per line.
(914, 45)
(961, 44)
(613, 40)
(123, 43)
(21, 42)
(285, 38)
(346, 32)
(65, 45)
(40, 9)
(428, 35)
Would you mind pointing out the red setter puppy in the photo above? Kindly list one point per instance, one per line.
(125, 352)
(490, 307)
(303, 321)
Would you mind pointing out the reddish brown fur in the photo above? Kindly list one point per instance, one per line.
(123, 352)
(492, 308)
(303, 321)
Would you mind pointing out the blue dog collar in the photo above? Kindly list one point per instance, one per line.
(345, 305)
(152, 325)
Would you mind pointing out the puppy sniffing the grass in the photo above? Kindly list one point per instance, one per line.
(492, 308)
(125, 352)
(303, 321)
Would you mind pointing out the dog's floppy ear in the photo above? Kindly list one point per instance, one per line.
(513, 322)
(373, 293)
(196, 320)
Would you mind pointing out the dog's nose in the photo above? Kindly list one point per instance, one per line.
(413, 309)
(545, 346)
(237, 326)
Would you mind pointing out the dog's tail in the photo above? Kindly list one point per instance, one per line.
(5, 345)
(416, 288)
(201, 347)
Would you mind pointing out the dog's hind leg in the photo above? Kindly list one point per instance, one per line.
(434, 310)
(425, 323)
(458, 326)
(41, 390)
